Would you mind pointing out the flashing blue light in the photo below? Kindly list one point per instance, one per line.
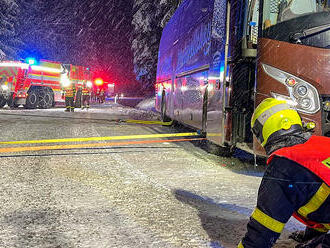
(31, 61)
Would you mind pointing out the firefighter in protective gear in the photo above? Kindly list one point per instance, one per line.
(69, 94)
(86, 93)
(296, 181)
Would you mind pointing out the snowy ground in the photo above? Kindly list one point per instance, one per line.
(109, 111)
(165, 194)
(147, 104)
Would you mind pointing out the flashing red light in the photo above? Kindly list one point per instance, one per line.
(98, 81)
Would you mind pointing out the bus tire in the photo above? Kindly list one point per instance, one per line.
(3, 101)
(164, 117)
(32, 99)
(46, 98)
(216, 149)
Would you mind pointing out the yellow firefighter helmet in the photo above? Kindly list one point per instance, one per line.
(274, 118)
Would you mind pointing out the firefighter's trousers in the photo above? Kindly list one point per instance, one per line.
(69, 103)
(85, 101)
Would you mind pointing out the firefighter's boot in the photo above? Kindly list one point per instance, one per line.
(72, 109)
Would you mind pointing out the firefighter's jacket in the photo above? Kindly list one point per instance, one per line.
(70, 91)
(296, 183)
(86, 91)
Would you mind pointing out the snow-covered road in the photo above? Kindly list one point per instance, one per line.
(146, 194)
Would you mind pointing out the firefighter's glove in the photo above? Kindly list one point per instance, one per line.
(304, 236)
(322, 241)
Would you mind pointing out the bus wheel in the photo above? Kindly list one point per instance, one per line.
(46, 99)
(32, 100)
(216, 149)
(3, 101)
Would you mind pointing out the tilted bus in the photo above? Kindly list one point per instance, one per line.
(218, 59)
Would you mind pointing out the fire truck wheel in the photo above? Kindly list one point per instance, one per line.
(2, 101)
(45, 99)
(32, 100)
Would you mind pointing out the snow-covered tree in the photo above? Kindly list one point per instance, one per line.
(9, 41)
(149, 19)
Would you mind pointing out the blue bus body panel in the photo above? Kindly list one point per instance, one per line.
(186, 39)
(191, 58)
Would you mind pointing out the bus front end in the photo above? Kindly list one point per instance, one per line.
(294, 58)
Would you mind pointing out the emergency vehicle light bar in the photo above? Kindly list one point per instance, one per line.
(14, 64)
(46, 69)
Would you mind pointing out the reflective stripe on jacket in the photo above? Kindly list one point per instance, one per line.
(291, 188)
(69, 92)
(315, 156)
(85, 91)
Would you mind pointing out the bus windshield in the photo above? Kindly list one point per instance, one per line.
(299, 21)
(276, 11)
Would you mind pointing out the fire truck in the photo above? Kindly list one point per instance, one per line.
(39, 85)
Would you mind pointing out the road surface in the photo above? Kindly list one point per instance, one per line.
(70, 183)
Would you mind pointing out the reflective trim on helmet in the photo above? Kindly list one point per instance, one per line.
(274, 116)
(263, 117)
(257, 130)
(271, 111)
(264, 105)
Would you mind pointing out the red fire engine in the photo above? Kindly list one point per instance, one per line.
(38, 85)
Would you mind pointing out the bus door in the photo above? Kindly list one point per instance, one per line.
(193, 88)
(214, 93)
(179, 88)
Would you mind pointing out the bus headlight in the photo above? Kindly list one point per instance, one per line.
(305, 103)
(301, 90)
(301, 93)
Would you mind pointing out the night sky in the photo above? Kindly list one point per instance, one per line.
(90, 33)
